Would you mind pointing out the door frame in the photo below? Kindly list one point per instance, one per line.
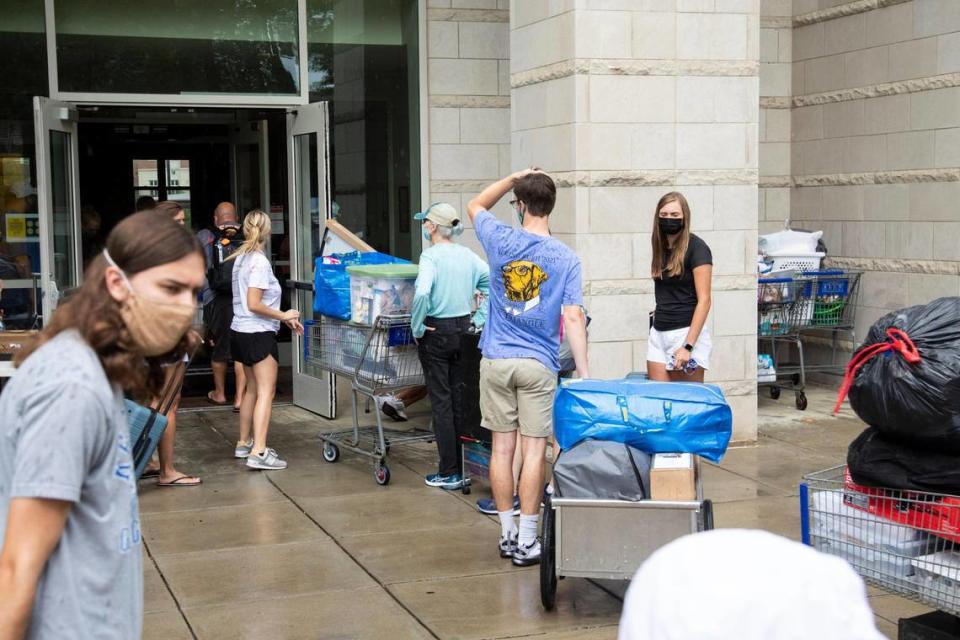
(53, 115)
(316, 394)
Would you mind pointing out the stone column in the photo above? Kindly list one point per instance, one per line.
(468, 44)
(623, 101)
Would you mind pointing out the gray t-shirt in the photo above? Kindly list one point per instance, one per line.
(64, 436)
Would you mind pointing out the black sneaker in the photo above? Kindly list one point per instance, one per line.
(527, 555)
(508, 546)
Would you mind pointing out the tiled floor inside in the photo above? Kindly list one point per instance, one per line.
(321, 551)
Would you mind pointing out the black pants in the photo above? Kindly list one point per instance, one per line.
(440, 357)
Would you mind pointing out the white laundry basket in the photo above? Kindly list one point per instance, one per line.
(794, 261)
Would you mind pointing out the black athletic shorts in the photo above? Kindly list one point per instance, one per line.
(217, 317)
(251, 348)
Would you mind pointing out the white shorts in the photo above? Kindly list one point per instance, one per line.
(663, 344)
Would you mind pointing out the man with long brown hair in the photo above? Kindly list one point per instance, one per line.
(70, 541)
(534, 281)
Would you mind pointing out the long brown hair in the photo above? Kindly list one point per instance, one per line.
(660, 266)
(141, 241)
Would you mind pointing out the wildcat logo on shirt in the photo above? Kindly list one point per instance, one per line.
(522, 280)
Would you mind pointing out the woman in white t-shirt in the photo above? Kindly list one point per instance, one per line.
(253, 339)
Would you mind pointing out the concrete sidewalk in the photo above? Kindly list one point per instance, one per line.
(320, 551)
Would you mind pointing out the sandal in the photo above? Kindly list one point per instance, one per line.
(179, 482)
(150, 473)
(214, 402)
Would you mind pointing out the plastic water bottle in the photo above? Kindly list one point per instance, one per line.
(690, 367)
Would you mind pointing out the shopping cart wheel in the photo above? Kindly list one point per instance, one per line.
(802, 401)
(775, 393)
(381, 473)
(331, 452)
(548, 558)
(707, 508)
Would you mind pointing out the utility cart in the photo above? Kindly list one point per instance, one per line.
(610, 539)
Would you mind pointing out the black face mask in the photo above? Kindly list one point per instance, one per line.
(670, 226)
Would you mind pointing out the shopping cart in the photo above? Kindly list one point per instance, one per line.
(377, 359)
(830, 313)
(782, 307)
(610, 539)
(904, 542)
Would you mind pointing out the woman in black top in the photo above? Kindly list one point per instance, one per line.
(679, 346)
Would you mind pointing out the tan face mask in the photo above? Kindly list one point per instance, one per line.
(155, 327)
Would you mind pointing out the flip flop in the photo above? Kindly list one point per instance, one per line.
(214, 402)
(236, 409)
(178, 482)
(150, 473)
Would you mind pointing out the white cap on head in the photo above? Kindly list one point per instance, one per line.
(748, 585)
(440, 213)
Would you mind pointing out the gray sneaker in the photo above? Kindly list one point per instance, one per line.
(268, 460)
(243, 450)
(508, 546)
(527, 555)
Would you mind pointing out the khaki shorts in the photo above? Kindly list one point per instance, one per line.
(517, 393)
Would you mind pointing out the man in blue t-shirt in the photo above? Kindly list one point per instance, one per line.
(534, 281)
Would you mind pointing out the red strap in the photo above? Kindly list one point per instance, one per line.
(897, 340)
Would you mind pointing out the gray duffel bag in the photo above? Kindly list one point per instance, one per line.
(602, 470)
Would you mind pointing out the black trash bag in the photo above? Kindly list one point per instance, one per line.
(602, 470)
(917, 404)
(876, 461)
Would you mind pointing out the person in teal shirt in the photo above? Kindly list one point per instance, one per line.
(450, 276)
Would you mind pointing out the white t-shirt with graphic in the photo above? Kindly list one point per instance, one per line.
(254, 270)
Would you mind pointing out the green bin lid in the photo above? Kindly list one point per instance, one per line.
(398, 271)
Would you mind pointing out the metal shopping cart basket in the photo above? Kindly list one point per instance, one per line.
(610, 539)
(782, 306)
(904, 542)
(377, 359)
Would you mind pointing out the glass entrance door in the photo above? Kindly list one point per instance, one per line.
(308, 163)
(58, 200)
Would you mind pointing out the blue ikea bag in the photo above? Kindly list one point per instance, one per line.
(654, 417)
(331, 282)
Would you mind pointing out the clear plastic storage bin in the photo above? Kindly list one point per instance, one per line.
(381, 289)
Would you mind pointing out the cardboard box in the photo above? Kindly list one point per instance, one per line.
(672, 477)
(12, 342)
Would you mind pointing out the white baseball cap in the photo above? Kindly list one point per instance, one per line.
(440, 213)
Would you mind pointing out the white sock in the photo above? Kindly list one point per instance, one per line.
(528, 529)
(507, 525)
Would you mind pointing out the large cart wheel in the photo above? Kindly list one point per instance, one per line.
(775, 392)
(802, 401)
(707, 509)
(548, 558)
(381, 473)
(331, 452)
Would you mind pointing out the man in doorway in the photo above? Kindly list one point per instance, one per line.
(535, 280)
(218, 304)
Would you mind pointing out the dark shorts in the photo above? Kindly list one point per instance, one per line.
(217, 317)
(251, 348)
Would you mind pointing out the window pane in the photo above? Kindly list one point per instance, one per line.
(145, 174)
(23, 47)
(178, 46)
(363, 58)
(178, 173)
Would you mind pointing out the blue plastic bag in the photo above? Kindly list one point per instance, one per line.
(331, 282)
(146, 428)
(655, 417)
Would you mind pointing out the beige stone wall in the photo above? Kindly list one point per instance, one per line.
(624, 100)
(875, 160)
(776, 43)
(468, 59)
